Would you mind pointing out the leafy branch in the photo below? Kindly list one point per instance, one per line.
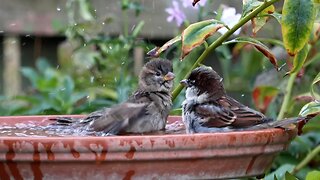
(221, 39)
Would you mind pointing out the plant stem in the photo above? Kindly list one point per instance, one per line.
(287, 96)
(125, 22)
(307, 159)
(221, 39)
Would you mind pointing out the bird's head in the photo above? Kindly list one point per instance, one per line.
(157, 75)
(203, 81)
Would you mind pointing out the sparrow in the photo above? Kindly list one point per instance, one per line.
(146, 110)
(208, 108)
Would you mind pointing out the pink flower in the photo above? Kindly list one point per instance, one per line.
(230, 18)
(175, 14)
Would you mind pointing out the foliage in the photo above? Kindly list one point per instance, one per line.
(95, 69)
(99, 61)
(291, 87)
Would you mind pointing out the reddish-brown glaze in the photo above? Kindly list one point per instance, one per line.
(128, 175)
(170, 156)
(35, 165)
(3, 173)
(12, 165)
(131, 152)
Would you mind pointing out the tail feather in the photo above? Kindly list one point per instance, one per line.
(285, 123)
(64, 120)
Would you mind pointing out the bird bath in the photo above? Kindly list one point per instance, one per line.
(155, 156)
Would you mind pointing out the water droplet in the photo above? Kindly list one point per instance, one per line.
(103, 85)
(58, 9)
(91, 79)
(103, 23)
(62, 89)
(1, 31)
(13, 24)
(133, 27)
(95, 10)
(28, 35)
(75, 24)
(84, 45)
(122, 63)
(110, 47)
(115, 79)
(88, 97)
(58, 66)
(242, 95)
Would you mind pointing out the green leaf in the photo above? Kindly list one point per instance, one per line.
(299, 59)
(177, 112)
(313, 126)
(280, 172)
(31, 74)
(137, 29)
(155, 52)
(310, 109)
(86, 10)
(42, 65)
(314, 36)
(289, 176)
(297, 23)
(313, 175)
(277, 16)
(259, 46)
(195, 34)
(249, 5)
(314, 82)
(261, 19)
(263, 95)
(67, 88)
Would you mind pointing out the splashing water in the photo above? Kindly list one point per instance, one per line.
(32, 129)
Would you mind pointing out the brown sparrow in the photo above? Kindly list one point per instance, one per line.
(146, 110)
(207, 107)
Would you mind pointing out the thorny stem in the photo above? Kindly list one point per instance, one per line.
(221, 39)
(307, 159)
(287, 95)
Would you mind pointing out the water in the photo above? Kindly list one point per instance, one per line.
(32, 129)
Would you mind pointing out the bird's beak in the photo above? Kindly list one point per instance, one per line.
(169, 76)
(184, 82)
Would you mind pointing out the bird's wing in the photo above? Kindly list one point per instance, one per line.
(117, 118)
(140, 97)
(245, 116)
(95, 115)
(214, 115)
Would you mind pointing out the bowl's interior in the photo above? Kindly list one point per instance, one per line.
(40, 126)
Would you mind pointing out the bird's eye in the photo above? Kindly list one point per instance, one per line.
(192, 82)
(158, 73)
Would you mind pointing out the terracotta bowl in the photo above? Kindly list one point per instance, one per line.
(164, 156)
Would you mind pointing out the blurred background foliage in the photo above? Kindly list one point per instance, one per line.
(98, 71)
